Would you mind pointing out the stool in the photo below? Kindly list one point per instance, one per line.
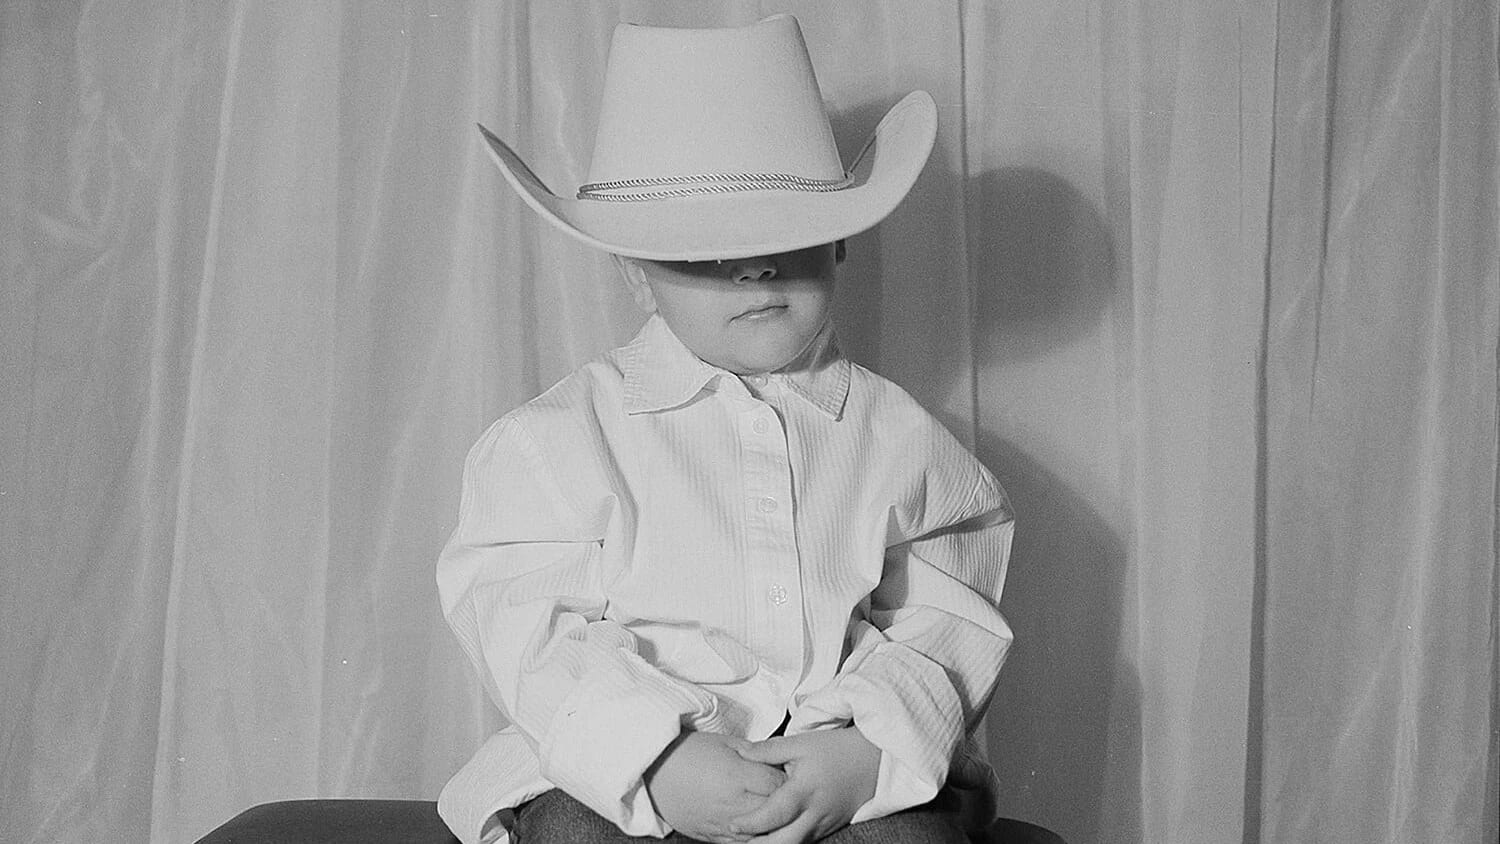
(417, 822)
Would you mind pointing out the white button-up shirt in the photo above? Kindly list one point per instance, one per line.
(656, 544)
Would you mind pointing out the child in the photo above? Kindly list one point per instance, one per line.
(724, 583)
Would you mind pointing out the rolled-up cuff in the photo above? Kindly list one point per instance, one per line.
(904, 704)
(610, 729)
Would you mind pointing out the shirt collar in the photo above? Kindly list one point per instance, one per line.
(661, 373)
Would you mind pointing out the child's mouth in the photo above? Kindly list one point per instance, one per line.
(762, 312)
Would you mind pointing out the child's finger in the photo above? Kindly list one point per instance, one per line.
(800, 831)
(763, 779)
(737, 744)
(773, 751)
(780, 809)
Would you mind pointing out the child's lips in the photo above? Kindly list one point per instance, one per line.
(759, 312)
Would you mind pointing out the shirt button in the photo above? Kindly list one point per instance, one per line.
(777, 594)
(766, 505)
(757, 380)
(761, 426)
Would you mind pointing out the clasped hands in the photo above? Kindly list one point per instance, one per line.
(784, 790)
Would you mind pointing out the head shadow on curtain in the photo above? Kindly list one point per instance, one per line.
(1043, 268)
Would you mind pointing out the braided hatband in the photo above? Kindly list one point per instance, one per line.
(672, 187)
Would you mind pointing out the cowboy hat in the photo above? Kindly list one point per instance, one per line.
(714, 144)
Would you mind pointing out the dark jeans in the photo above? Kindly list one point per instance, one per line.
(556, 818)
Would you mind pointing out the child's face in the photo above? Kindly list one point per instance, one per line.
(745, 315)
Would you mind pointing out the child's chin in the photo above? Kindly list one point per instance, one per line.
(768, 364)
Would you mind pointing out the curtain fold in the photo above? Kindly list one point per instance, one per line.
(1379, 661)
(1212, 287)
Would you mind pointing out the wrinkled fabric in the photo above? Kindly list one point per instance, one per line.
(1209, 286)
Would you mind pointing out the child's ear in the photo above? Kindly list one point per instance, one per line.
(635, 279)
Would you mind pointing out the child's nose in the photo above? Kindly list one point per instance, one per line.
(747, 270)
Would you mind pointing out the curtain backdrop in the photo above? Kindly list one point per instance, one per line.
(1212, 286)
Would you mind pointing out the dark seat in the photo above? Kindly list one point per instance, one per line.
(1012, 831)
(335, 822)
(417, 822)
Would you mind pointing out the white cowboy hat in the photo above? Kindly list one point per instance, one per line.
(713, 143)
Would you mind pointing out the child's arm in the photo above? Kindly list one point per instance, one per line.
(521, 587)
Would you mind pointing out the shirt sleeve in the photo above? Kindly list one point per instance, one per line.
(521, 588)
(924, 661)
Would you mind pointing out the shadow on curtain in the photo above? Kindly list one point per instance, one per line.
(1044, 276)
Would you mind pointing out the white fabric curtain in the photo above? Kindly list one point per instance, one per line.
(1212, 286)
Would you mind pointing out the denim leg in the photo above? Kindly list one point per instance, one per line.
(919, 825)
(556, 818)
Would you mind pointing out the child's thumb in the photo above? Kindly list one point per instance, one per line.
(772, 751)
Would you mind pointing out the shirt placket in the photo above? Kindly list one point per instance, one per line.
(775, 596)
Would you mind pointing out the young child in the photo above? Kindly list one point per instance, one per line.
(724, 583)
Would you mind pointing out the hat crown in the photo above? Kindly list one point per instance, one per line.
(680, 103)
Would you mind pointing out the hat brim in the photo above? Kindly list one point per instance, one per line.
(747, 223)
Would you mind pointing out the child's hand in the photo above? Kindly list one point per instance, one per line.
(830, 774)
(701, 782)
